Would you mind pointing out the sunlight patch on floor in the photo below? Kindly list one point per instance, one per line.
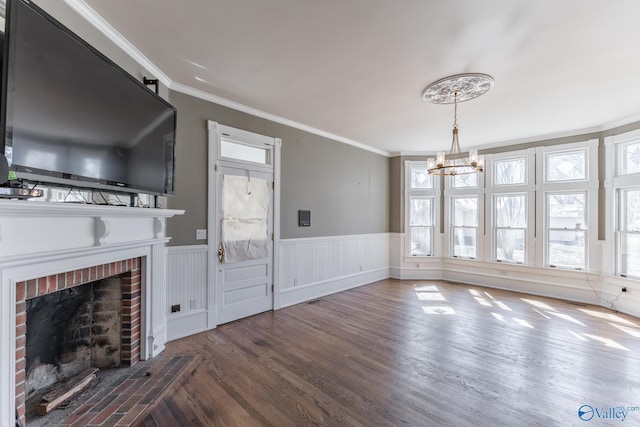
(538, 304)
(607, 316)
(541, 313)
(567, 318)
(631, 331)
(608, 342)
(580, 337)
(430, 296)
(483, 301)
(489, 295)
(502, 305)
(474, 293)
(427, 288)
(498, 316)
(523, 322)
(432, 309)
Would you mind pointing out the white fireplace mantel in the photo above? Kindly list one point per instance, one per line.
(40, 239)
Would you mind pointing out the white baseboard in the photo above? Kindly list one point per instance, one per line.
(183, 325)
(297, 295)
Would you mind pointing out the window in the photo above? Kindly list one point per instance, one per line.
(509, 171)
(510, 213)
(622, 245)
(567, 201)
(629, 158)
(567, 228)
(248, 153)
(464, 213)
(421, 225)
(566, 166)
(420, 178)
(629, 232)
(512, 188)
(420, 208)
(465, 181)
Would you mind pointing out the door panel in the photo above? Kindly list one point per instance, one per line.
(245, 227)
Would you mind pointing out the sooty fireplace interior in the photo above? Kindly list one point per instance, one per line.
(71, 330)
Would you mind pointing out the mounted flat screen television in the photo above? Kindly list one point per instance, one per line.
(72, 117)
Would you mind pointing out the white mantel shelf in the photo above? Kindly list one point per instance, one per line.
(38, 239)
(31, 208)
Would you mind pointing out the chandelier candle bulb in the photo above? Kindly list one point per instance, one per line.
(440, 159)
(473, 157)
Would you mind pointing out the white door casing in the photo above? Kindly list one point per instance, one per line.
(242, 284)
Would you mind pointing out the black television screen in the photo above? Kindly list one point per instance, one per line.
(73, 117)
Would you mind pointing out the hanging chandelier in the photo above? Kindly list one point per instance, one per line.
(452, 90)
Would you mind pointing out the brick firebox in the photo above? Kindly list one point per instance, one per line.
(129, 270)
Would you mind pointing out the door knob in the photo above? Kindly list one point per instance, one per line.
(220, 252)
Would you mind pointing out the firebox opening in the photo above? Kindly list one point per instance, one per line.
(72, 330)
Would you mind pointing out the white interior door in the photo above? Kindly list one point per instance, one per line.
(244, 224)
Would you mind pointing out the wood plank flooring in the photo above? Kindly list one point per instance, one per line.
(411, 353)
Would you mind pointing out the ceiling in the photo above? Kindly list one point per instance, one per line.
(355, 69)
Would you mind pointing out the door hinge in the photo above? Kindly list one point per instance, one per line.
(273, 185)
(272, 238)
(272, 289)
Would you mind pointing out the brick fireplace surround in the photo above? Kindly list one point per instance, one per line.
(46, 247)
(130, 270)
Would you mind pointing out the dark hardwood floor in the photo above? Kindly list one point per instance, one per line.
(412, 353)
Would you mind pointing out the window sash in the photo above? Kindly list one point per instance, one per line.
(555, 169)
(509, 177)
(518, 251)
(419, 178)
(567, 248)
(629, 158)
(464, 241)
(421, 243)
(629, 254)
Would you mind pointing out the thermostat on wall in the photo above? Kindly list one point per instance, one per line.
(304, 218)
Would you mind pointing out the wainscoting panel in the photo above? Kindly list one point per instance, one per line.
(187, 282)
(314, 267)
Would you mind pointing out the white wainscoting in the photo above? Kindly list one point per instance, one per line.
(314, 267)
(187, 282)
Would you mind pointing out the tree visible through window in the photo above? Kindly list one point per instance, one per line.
(420, 209)
(566, 166)
(510, 227)
(465, 226)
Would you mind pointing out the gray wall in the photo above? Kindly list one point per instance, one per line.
(345, 188)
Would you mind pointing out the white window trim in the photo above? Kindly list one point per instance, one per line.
(435, 193)
(528, 188)
(589, 186)
(614, 182)
(450, 194)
